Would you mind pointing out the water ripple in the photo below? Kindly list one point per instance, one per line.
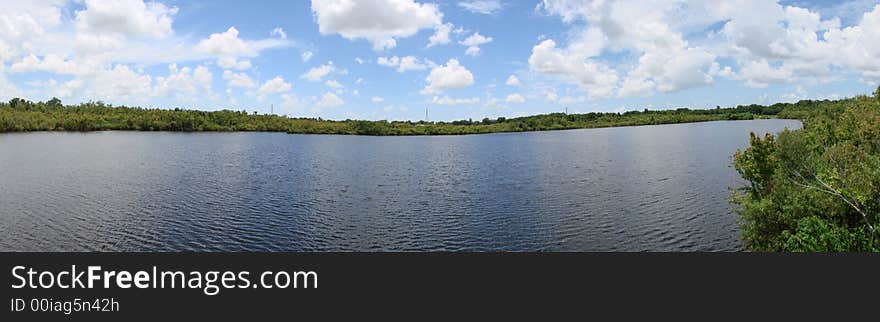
(652, 188)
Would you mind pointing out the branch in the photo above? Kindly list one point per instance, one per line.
(830, 190)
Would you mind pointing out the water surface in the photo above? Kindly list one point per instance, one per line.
(614, 189)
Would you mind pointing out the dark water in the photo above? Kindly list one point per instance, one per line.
(631, 189)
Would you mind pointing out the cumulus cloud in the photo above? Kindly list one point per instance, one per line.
(329, 100)
(486, 7)
(67, 89)
(515, 99)
(403, 64)
(275, 85)
(379, 21)
(228, 48)
(377, 99)
(333, 84)
(238, 79)
(183, 81)
(474, 42)
(666, 61)
(769, 42)
(22, 22)
(50, 63)
(858, 46)
(513, 81)
(306, 56)
(121, 85)
(441, 35)
(316, 74)
(450, 76)
(226, 43)
(126, 17)
(233, 63)
(598, 79)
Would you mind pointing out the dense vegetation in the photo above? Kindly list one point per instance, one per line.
(22, 115)
(818, 188)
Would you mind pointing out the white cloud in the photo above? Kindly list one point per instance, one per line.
(228, 48)
(21, 22)
(127, 17)
(120, 85)
(859, 46)
(51, 64)
(486, 7)
(238, 79)
(278, 32)
(377, 99)
(226, 43)
(51, 87)
(446, 100)
(598, 79)
(275, 85)
(649, 30)
(316, 74)
(359, 61)
(232, 63)
(333, 84)
(450, 76)
(403, 64)
(307, 55)
(67, 89)
(441, 35)
(379, 21)
(515, 99)
(474, 42)
(183, 81)
(329, 100)
(669, 71)
(513, 81)
(769, 42)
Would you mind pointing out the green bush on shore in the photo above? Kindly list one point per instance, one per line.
(818, 188)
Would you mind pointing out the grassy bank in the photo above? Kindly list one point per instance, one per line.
(19, 115)
(817, 188)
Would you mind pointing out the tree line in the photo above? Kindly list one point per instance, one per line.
(19, 115)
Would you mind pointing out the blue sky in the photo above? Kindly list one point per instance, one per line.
(392, 59)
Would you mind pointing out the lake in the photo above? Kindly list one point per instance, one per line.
(645, 188)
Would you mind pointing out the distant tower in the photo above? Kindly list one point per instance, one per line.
(272, 109)
(426, 114)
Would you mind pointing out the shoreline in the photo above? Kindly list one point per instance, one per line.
(26, 116)
(393, 135)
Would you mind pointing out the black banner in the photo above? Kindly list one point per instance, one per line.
(426, 284)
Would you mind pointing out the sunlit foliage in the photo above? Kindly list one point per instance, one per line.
(818, 188)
